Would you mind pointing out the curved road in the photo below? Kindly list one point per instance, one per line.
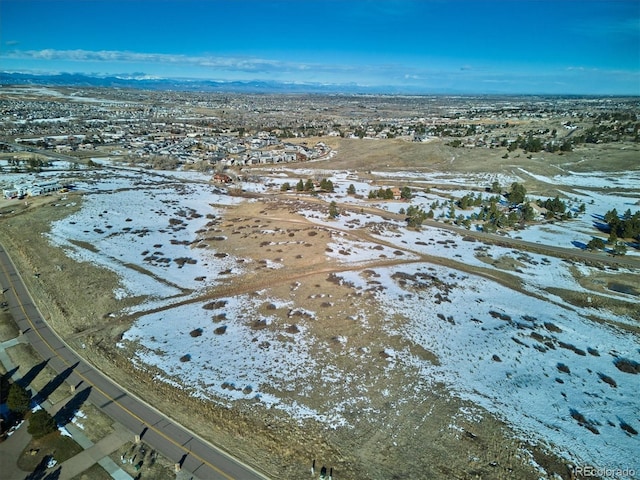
(195, 455)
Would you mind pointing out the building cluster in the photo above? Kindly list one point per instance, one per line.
(244, 129)
(140, 132)
(31, 189)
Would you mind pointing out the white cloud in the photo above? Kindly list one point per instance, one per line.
(226, 68)
(238, 64)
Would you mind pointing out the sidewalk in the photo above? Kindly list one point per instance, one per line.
(98, 453)
(11, 449)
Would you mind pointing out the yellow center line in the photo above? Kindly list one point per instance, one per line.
(135, 416)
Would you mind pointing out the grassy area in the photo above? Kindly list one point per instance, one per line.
(54, 445)
(8, 328)
(95, 424)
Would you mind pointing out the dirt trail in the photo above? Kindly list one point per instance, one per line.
(259, 434)
(251, 283)
(554, 251)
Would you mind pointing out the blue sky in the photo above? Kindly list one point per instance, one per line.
(456, 46)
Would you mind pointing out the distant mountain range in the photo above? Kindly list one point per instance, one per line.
(146, 82)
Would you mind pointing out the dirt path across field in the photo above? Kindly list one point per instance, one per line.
(272, 230)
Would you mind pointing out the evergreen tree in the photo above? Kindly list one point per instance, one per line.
(326, 185)
(309, 186)
(18, 399)
(41, 423)
(489, 227)
(333, 210)
(463, 203)
(555, 205)
(512, 219)
(595, 244)
(619, 249)
(517, 193)
(388, 194)
(351, 190)
(532, 144)
(415, 216)
(405, 193)
(566, 146)
(611, 215)
(452, 210)
(527, 213)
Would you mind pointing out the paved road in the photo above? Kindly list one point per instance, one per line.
(196, 456)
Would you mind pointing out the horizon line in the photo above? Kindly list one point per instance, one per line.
(139, 79)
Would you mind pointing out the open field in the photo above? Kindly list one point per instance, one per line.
(377, 349)
(276, 322)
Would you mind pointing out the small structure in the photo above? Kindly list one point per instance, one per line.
(222, 178)
(41, 188)
(33, 189)
(10, 193)
(539, 212)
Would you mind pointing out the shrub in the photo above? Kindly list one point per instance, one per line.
(607, 379)
(627, 366)
(552, 327)
(292, 329)
(215, 305)
(628, 428)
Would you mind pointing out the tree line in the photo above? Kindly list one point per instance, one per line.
(626, 225)
(325, 185)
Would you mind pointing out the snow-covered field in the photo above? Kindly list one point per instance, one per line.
(546, 369)
(544, 366)
(590, 189)
(133, 219)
